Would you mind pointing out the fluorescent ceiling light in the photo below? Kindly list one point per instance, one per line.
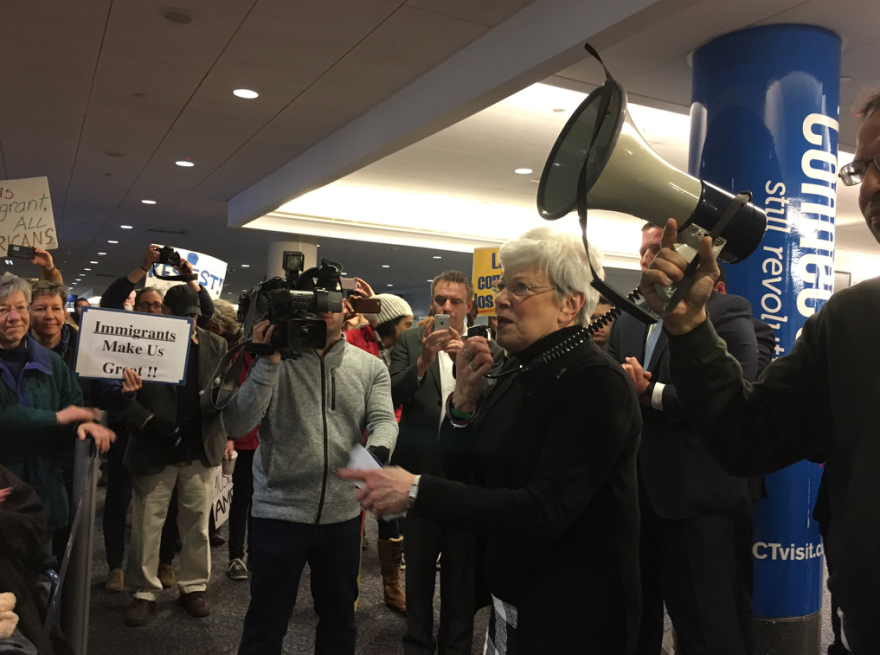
(87, 269)
(149, 202)
(247, 94)
(185, 163)
(111, 241)
(125, 227)
(245, 265)
(100, 253)
(390, 285)
(437, 257)
(93, 262)
(385, 266)
(523, 171)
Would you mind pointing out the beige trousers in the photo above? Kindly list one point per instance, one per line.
(150, 497)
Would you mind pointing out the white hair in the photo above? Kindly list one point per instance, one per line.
(561, 256)
(10, 284)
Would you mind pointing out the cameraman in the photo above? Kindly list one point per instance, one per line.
(314, 410)
(120, 289)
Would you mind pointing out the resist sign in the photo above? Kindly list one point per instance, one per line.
(210, 271)
(26, 217)
(157, 347)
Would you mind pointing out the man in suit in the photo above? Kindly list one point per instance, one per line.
(694, 515)
(422, 378)
(173, 444)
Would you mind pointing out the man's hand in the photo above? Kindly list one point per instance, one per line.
(4, 494)
(363, 289)
(639, 376)
(432, 343)
(473, 362)
(263, 332)
(454, 345)
(74, 414)
(385, 491)
(150, 257)
(103, 436)
(351, 318)
(131, 382)
(43, 259)
(185, 268)
(230, 448)
(668, 268)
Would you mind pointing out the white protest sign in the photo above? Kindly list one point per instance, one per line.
(157, 347)
(222, 498)
(26, 217)
(211, 272)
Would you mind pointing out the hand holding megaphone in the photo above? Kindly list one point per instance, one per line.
(668, 269)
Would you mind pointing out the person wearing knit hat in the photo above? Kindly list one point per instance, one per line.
(378, 337)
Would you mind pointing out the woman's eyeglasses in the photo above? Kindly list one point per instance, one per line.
(854, 172)
(518, 289)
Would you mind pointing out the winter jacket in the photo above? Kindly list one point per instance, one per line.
(312, 411)
(33, 444)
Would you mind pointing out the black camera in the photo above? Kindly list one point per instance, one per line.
(169, 256)
(289, 304)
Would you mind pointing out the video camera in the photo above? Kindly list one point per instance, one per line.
(289, 304)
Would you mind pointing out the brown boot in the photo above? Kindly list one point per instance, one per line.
(139, 612)
(195, 604)
(390, 552)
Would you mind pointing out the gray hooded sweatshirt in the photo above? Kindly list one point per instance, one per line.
(311, 412)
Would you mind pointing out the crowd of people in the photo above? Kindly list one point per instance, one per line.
(577, 480)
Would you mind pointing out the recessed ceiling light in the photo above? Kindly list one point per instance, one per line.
(429, 280)
(87, 269)
(247, 94)
(437, 257)
(125, 227)
(111, 241)
(558, 110)
(100, 253)
(245, 265)
(390, 285)
(93, 262)
(185, 163)
(523, 171)
(385, 266)
(149, 202)
(175, 15)
(846, 79)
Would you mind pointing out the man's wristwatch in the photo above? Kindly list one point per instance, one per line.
(645, 398)
(414, 491)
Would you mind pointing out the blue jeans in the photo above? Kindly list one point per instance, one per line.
(278, 553)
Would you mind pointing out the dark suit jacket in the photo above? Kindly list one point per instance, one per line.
(148, 453)
(680, 476)
(416, 448)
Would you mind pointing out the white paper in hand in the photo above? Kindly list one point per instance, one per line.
(359, 458)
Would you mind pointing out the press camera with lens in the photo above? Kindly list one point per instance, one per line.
(291, 304)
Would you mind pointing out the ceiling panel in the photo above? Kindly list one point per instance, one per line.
(375, 69)
(250, 164)
(74, 26)
(295, 41)
(485, 12)
(162, 90)
(138, 30)
(308, 119)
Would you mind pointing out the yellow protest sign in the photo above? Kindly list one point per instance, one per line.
(26, 217)
(487, 270)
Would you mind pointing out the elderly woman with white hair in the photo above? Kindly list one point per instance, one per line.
(543, 466)
(40, 408)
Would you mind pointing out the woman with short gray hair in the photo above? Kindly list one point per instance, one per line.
(541, 463)
(40, 408)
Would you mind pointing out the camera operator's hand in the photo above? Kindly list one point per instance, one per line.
(352, 319)
(131, 382)
(103, 436)
(185, 268)
(432, 343)
(74, 414)
(473, 362)
(668, 268)
(263, 332)
(43, 259)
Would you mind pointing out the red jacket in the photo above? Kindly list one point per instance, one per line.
(251, 440)
(365, 339)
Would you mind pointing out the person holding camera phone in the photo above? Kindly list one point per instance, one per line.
(421, 380)
(312, 411)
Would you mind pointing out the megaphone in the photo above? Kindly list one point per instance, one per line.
(601, 161)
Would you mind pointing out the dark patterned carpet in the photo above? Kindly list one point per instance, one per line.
(173, 632)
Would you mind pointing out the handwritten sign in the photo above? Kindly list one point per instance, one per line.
(487, 271)
(26, 217)
(211, 272)
(222, 498)
(157, 347)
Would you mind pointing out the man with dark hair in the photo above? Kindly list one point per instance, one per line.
(421, 380)
(811, 404)
(601, 334)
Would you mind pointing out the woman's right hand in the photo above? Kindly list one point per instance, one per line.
(74, 414)
(474, 361)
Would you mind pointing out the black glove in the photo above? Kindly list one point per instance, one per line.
(381, 453)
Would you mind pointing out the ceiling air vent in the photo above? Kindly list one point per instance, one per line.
(167, 230)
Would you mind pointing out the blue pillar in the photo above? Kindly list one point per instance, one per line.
(764, 119)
